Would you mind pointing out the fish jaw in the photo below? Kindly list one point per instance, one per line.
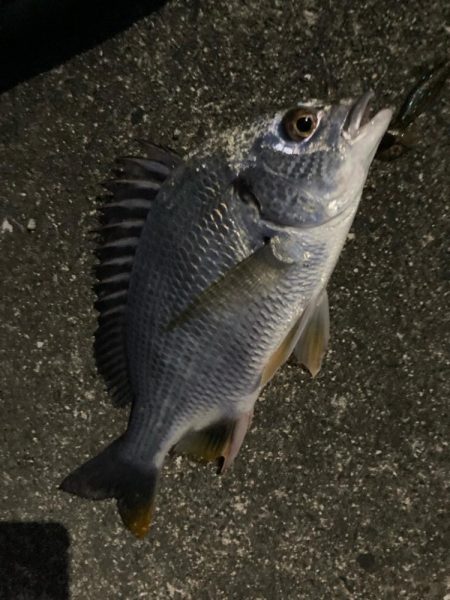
(361, 137)
(364, 139)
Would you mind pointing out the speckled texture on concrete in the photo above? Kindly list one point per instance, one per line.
(340, 488)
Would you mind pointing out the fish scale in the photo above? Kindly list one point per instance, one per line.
(214, 385)
(230, 249)
(213, 270)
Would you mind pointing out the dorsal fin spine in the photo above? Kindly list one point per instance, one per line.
(122, 219)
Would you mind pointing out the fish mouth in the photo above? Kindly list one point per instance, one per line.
(359, 123)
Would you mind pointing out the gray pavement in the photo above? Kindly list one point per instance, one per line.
(340, 490)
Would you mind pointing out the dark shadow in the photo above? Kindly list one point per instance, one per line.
(34, 561)
(36, 35)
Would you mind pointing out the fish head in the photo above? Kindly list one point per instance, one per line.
(308, 164)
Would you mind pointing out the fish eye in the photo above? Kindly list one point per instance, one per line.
(299, 124)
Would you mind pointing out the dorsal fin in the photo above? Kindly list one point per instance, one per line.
(122, 219)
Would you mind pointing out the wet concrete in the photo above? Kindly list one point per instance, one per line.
(340, 489)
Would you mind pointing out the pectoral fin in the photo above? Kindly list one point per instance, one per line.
(313, 341)
(256, 274)
(241, 426)
(281, 354)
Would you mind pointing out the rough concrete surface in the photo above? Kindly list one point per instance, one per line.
(340, 488)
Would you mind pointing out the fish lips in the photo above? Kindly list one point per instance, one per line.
(360, 129)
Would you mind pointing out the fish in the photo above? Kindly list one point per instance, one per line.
(404, 132)
(212, 271)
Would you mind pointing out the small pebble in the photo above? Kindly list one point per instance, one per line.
(6, 226)
(31, 225)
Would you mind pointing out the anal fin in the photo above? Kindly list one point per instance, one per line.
(313, 342)
(207, 444)
(221, 440)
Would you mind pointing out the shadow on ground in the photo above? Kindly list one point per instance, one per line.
(34, 561)
(36, 36)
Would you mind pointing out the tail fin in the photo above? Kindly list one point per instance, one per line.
(111, 475)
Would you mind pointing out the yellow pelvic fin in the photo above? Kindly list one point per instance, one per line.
(240, 429)
(313, 342)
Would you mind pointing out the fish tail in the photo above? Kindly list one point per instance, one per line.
(112, 474)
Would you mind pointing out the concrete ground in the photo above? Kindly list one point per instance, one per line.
(340, 490)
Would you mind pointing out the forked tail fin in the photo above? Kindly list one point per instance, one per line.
(111, 474)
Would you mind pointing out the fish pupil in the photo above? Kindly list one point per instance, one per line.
(304, 124)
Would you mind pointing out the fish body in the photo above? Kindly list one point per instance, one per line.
(214, 354)
(225, 276)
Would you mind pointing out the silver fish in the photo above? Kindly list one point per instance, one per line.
(213, 271)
